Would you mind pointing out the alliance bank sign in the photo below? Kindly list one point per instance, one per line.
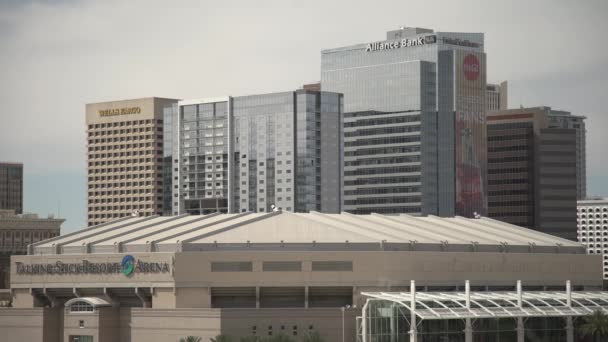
(128, 266)
(397, 44)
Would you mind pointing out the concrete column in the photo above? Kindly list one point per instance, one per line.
(306, 297)
(364, 325)
(520, 320)
(393, 324)
(413, 332)
(520, 329)
(569, 329)
(468, 328)
(257, 297)
(569, 325)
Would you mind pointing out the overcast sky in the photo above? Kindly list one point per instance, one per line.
(56, 56)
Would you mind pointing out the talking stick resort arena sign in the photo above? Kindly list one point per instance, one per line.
(397, 44)
(128, 266)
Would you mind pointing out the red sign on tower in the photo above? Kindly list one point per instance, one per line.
(471, 67)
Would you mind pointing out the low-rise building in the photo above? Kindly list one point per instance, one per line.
(262, 274)
(592, 228)
(17, 232)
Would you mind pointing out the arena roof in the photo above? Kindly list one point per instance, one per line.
(304, 231)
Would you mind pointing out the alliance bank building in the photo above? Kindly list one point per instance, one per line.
(414, 125)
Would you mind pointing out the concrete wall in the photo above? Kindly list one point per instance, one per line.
(25, 325)
(109, 323)
(327, 321)
(384, 269)
(18, 325)
(152, 325)
(71, 325)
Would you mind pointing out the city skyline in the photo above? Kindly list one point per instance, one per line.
(50, 76)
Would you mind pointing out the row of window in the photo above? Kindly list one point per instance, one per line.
(122, 199)
(281, 266)
(97, 155)
(126, 176)
(104, 217)
(122, 207)
(124, 169)
(123, 161)
(382, 180)
(382, 170)
(123, 191)
(384, 160)
(390, 190)
(590, 210)
(93, 148)
(382, 141)
(8, 237)
(382, 150)
(508, 170)
(123, 124)
(130, 137)
(508, 181)
(383, 121)
(382, 131)
(384, 200)
(583, 221)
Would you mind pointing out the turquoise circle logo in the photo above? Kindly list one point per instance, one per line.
(128, 265)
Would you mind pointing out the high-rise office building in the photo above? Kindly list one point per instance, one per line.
(532, 171)
(200, 156)
(414, 122)
(258, 152)
(124, 158)
(170, 135)
(497, 96)
(563, 119)
(11, 186)
(592, 228)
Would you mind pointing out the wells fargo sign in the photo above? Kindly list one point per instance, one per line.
(119, 111)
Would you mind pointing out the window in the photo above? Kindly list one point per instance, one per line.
(81, 307)
(231, 266)
(332, 265)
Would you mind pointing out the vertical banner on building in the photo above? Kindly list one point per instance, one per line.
(470, 134)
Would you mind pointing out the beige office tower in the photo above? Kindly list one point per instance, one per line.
(497, 96)
(124, 158)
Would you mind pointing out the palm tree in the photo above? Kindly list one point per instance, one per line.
(221, 338)
(312, 336)
(596, 325)
(280, 337)
(191, 339)
(250, 339)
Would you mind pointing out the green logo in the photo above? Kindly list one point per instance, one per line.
(128, 265)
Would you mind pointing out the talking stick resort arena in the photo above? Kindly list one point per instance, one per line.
(161, 278)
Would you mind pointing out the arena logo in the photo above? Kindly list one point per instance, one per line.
(128, 266)
(396, 44)
(471, 67)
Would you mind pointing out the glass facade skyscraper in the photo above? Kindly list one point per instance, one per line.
(564, 119)
(11, 187)
(414, 122)
(250, 153)
(200, 172)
